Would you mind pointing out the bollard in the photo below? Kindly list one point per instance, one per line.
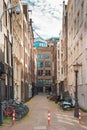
(80, 118)
(13, 117)
(48, 117)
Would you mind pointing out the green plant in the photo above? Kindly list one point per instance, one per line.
(84, 110)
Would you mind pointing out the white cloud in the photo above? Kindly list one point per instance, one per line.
(47, 16)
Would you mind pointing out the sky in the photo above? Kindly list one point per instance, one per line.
(46, 16)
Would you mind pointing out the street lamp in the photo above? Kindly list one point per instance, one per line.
(76, 68)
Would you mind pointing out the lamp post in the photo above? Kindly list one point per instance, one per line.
(76, 68)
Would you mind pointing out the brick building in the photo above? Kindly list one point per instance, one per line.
(46, 67)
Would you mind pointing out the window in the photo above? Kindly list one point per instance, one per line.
(40, 72)
(40, 56)
(47, 64)
(61, 70)
(58, 65)
(5, 15)
(47, 81)
(58, 54)
(6, 50)
(9, 22)
(47, 56)
(39, 64)
(40, 81)
(47, 72)
(9, 54)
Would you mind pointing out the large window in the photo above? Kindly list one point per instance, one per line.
(10, 54)
(39, 64)
(58, 54)
(47, 72)
(6, 50)
(47, 64)
(40, 56)
(40, 72)
(40, 81)
(47, 56)
(47, 81)
(9, 22)
(5, 15)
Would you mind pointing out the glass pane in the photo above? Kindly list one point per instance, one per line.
(47, 56)
(40, 56)
(47, 64)
(40, 72)
(48, 81)
(40, 64)
(48, 72)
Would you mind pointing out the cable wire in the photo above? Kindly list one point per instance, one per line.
(40, 37)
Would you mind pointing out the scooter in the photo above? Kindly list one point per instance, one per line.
(67, 105)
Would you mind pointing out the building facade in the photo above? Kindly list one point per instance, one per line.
(16, 42)
(32, 59)
(77, 48)
(28, 41)
(45, 69)
(64, 55)
(17, 25)
(6, 51)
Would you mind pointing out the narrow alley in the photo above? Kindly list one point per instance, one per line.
(37, 118)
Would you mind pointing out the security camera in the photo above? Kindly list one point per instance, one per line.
(18, 10)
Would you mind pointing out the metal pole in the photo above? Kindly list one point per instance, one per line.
(12, 57)
(12, 69)
(76, 114)
(1, 117)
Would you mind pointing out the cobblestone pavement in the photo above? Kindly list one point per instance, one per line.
(37, 118)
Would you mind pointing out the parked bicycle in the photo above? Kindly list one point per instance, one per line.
(20, 109)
